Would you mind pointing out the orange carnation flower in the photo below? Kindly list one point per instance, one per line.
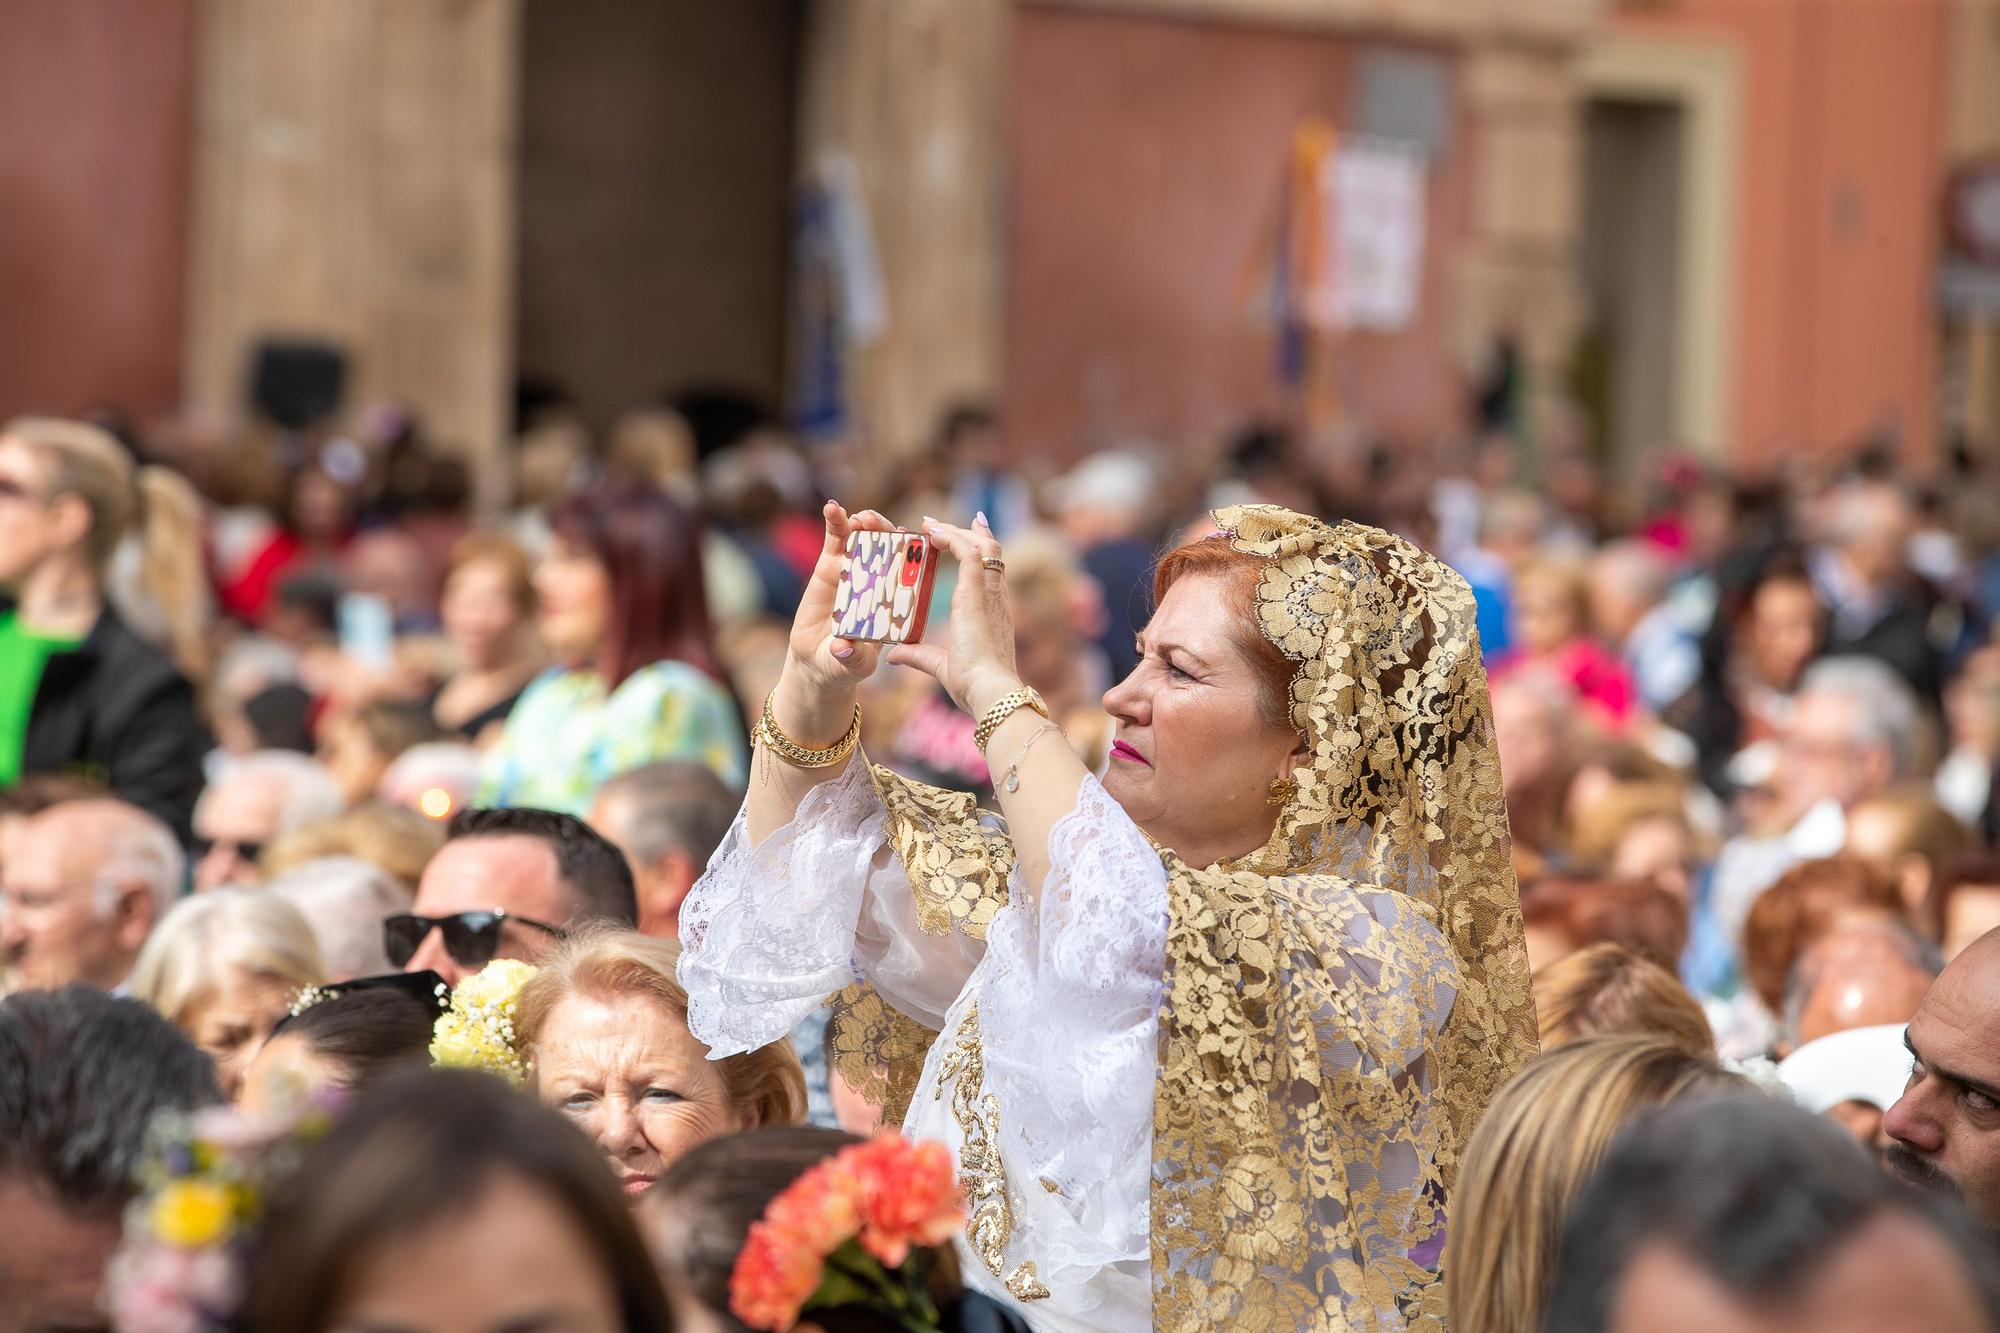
(820, 1210)
(910, 1195)
(889, 1194)
(775, 1276)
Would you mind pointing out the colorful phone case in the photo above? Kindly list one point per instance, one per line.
(885, 589)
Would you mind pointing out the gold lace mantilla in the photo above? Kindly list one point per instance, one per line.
(1339, 1007)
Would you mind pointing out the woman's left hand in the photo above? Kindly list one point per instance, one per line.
(976, 664)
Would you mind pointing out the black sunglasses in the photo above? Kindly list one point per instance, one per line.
(249, 851)
(471, 938)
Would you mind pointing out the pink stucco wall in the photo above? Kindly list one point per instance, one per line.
(96, 100)
(1146, 161)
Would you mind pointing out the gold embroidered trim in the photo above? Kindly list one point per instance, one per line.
(958, 867)
(877, 1049)
(981, 1173)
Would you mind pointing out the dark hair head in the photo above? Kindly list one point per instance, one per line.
(962, 419)
(368, 1033)
(82, 1075)
(672, 804)
(281, 717)
(650, 547)
(593, 870)
(395, 725)
(699, 1214)
(1755, 1192)
(417, 1150)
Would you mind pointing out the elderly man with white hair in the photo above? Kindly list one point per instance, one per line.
(86, 882)
(343, 899)
(253, 800)
(1853, 733)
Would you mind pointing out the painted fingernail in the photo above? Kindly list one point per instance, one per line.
(842, 652)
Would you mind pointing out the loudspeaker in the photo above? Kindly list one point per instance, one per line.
(296, 382)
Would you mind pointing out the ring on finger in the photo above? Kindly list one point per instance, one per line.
(995, 563)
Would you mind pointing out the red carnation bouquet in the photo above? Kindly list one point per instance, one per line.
(842, 1234)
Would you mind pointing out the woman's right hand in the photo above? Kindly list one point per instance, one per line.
(814, 702)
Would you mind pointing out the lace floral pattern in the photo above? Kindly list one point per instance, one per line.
(1326, 1048)
(957, 862)
(1049, 1076)
(1071, 995)
(819, 909)
(1403, 790)
(1232, 1096)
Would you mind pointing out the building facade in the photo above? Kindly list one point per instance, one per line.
(1715, 222)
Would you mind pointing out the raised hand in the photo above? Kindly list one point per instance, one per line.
(815, 698)
(976, 663)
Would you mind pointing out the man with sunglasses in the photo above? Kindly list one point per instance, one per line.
(254, 800)
(508, 884)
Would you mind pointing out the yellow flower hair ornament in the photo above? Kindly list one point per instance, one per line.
(477, 1032)
(181, 1263)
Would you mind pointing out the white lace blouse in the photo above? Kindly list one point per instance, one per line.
(1056, 1012)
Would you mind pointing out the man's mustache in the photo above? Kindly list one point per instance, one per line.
(1918, 1171)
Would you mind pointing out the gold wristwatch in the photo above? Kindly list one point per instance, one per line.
(1004, 708)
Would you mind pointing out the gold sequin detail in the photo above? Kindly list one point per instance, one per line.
(981, 1172)
(1023, 1285)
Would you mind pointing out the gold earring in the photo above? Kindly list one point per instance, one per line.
(1282, 791)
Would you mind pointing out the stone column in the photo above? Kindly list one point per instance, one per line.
(354, 179)
(1519, 275)
(912, 91)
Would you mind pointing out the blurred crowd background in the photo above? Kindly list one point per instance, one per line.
(421, 406)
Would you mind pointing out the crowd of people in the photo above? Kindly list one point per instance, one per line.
(1301, 882)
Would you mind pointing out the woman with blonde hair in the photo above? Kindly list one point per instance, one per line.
(223, 967)
(1538, 1143)
(80, 690)
(399, 840)
(1550, 619)
(1610, 989)
(603, 1024)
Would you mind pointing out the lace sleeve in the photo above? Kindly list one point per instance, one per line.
(769, 932)
(1069, 1008)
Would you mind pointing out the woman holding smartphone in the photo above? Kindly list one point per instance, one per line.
(622, 608)
(1206, 1035)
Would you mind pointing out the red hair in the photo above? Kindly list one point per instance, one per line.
(1808, 901)
(1645, 918)
(650, 547)
(1214, 557)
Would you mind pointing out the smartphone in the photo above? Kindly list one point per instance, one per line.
(885, 587)
(367, 630)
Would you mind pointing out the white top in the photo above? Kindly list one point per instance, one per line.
(1067, 989)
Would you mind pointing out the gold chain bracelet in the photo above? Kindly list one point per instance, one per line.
(798, 756)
